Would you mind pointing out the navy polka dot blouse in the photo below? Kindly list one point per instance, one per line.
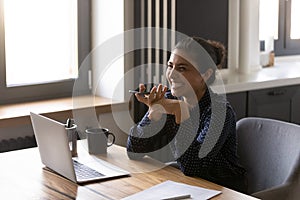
(203, 145)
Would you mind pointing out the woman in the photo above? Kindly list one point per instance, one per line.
(197, 125)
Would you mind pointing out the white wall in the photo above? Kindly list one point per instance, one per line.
(108, 67)
(107, 25)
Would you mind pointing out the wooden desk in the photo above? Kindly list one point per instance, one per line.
(22, 177)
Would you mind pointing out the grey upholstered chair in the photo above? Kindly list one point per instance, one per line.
(270, 152)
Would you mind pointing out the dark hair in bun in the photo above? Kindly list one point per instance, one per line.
(214, 49)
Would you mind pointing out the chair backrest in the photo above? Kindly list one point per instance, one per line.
(269, 150)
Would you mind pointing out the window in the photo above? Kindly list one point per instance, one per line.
(42, 43)
(45, 45)
(295, 16)
(281, 18)
(268, 19)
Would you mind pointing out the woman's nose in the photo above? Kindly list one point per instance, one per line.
(173, 74)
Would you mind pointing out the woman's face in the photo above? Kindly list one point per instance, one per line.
(184, 79)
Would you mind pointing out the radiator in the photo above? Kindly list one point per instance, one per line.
(17, 143)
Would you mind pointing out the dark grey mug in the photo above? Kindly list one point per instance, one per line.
(98, 139)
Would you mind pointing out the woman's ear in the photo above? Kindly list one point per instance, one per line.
(206, 75)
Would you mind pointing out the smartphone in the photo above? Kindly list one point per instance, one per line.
(141, 93)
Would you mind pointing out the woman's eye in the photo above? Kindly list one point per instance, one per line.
(181, 69)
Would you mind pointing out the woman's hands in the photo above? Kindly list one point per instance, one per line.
(156, 94)
(159, 105)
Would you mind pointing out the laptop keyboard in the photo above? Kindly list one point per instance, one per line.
(84, 172)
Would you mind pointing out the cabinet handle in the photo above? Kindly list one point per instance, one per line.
(276, 93)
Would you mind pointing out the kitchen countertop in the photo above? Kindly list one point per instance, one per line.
(285, 72)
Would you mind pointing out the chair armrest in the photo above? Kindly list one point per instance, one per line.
(287, 191)
(274, 193)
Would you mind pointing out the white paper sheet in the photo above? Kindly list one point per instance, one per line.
(169, 189)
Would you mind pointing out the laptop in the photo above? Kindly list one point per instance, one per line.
(53, 145)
